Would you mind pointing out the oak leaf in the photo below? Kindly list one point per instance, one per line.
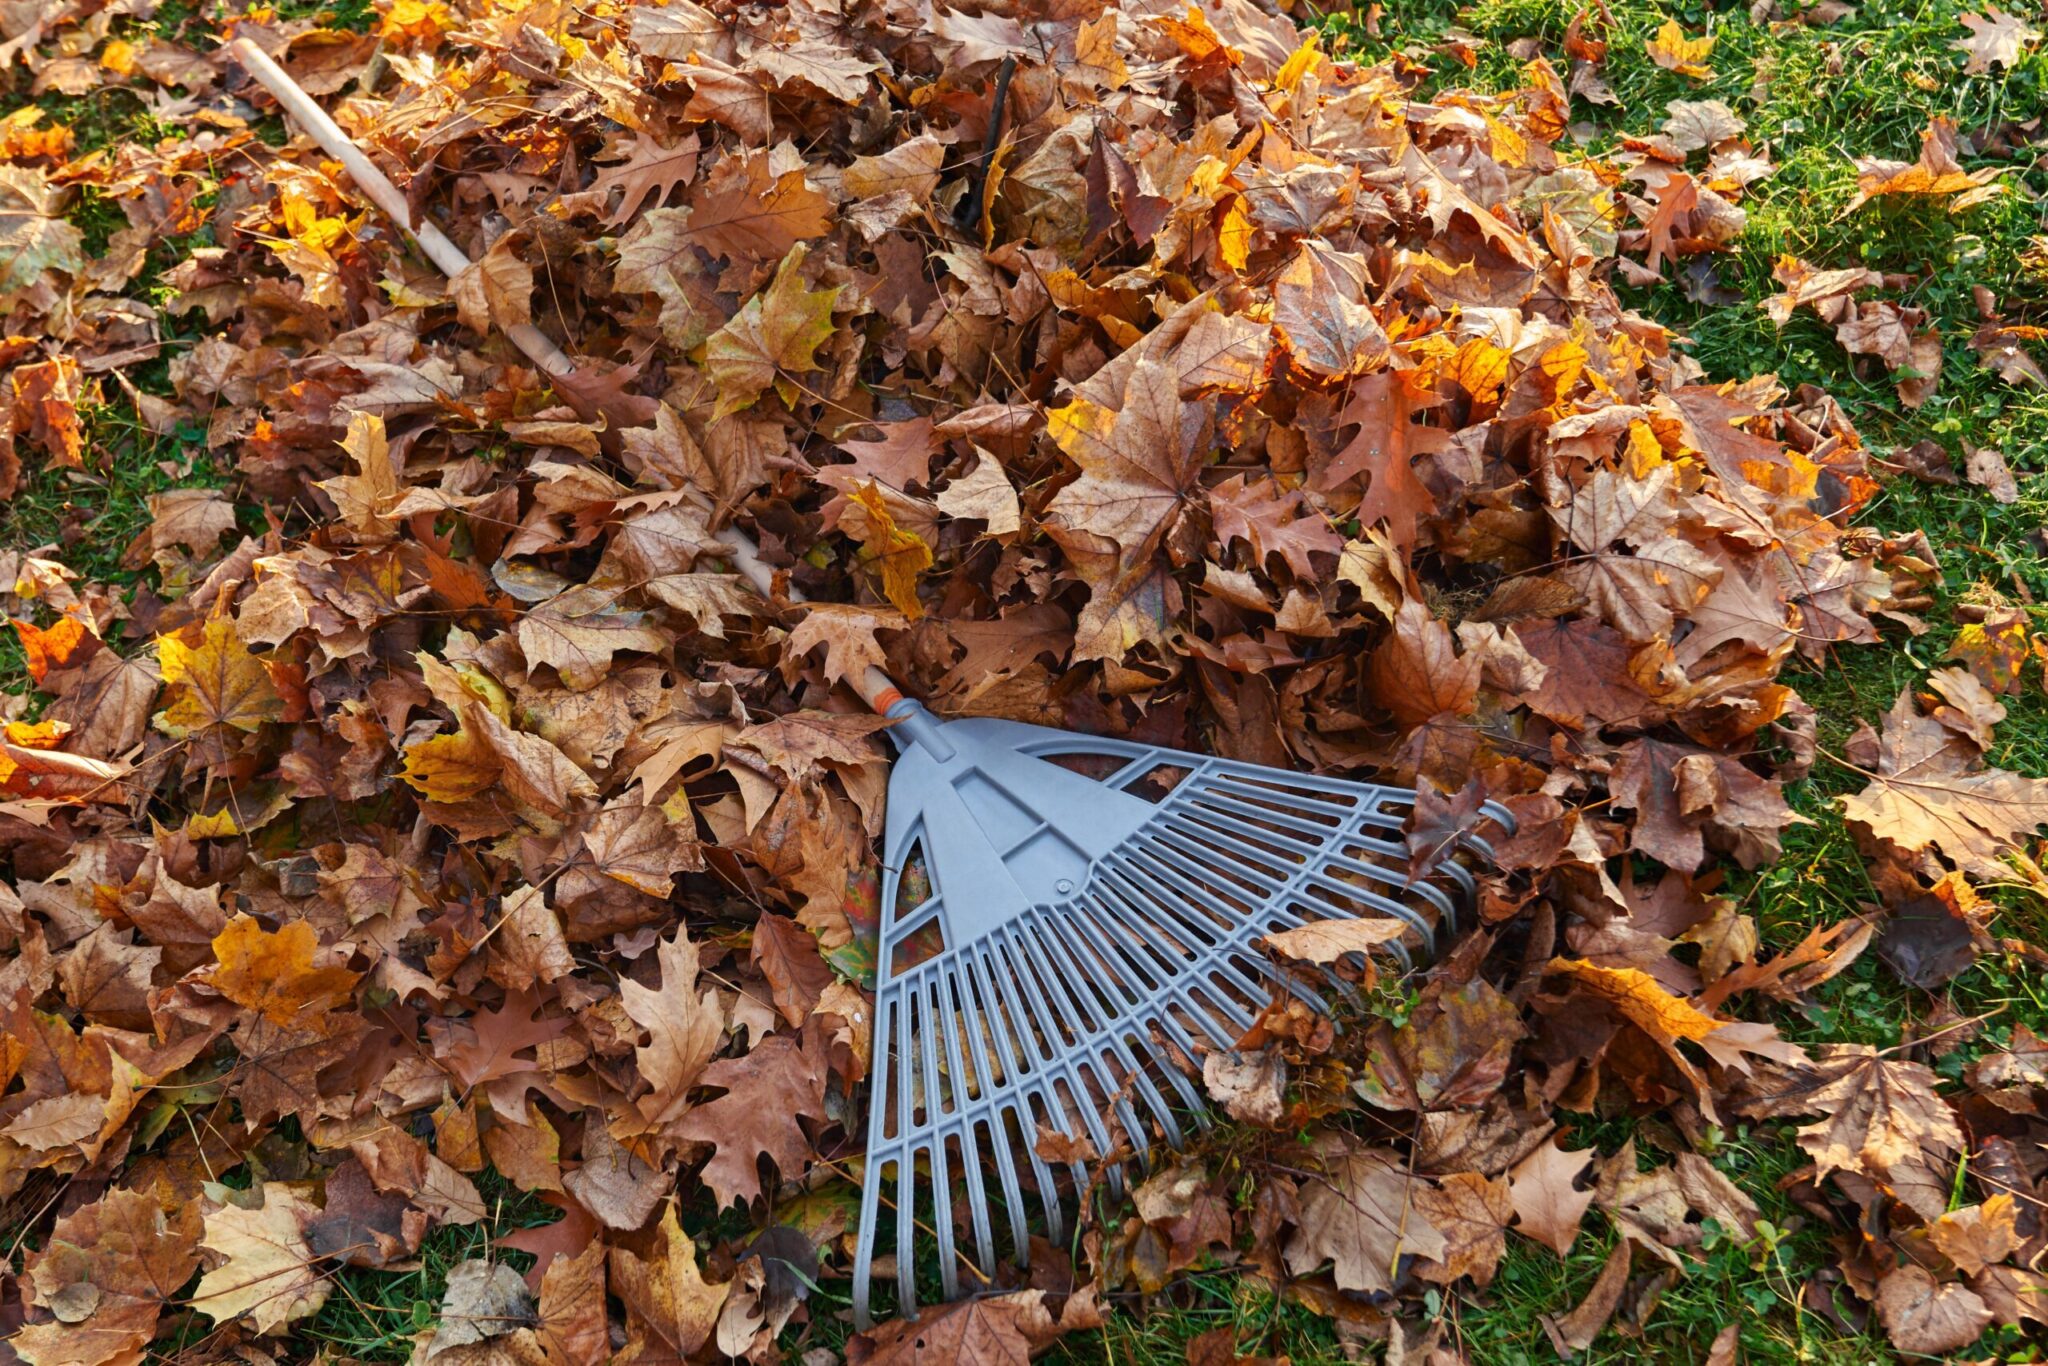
(684, 1029)
(1883, 1120)
(780, 1081)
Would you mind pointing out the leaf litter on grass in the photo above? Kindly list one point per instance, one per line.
(1148, 373)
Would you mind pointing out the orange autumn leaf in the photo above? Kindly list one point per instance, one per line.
(276, 974)
(54, 646)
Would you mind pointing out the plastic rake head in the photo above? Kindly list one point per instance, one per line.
(1060, 915)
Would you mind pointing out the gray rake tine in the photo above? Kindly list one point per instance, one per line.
(935, 1120)
(1081, 1050)
(1168, 994)
(1309, 870)
(970, 1153)
(1012, 1103)
(1281, 882)
(1215, 960)
(1119, 1036)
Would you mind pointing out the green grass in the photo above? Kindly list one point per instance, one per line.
(1814, 98)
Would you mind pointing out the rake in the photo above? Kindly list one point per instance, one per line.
(1065, 919)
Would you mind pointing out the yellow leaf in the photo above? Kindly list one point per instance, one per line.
(1234, 237)
(1562, 365)
(119, 57)
(899, 555)
(1644, 451)
(1641, 1001)
(416, 19)
(1299, 63)
(304, 224)
(1673, 51)
(775, 335)
(1479, 368)
(452, 768)
(361, 495)
(275, 973)
(215, 681)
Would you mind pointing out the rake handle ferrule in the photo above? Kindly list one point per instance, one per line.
(874, 687)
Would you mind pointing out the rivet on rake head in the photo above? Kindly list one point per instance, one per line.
(1063, 886)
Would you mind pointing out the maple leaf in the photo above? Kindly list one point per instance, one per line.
(1921, 1315)
(70, 642)
(213, 679)
(1547, 1201)
(1631, 569)
(496, 291)
(267, 1271)
(848, 635)
(666, 1295)
(1996, 39)
(1418, 674)
(125, 1255)
(34, 233)
(780, 1081)
(746, 211)
(1320, 312)
(1936, 174)
(193, 518)
(1682, 794)
(984, 493)
(1977, 1236)
(1138, 462)
(1883, 1120)
(1326, 941)
(275, 973)
(980, 1331)
(1671, 49)
(1359, 1213)
(773, 336)
(363, 496)
(578, 632)
(1273, 522)
(1930, 789)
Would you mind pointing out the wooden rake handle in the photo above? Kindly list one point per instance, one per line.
(874, 687)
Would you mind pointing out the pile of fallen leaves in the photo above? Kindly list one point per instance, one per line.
(443, 801)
